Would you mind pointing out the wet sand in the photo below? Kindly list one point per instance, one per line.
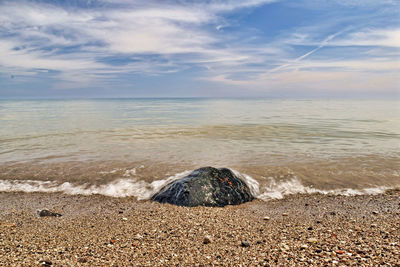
(299, 230)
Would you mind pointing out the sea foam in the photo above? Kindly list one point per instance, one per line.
(131, 187)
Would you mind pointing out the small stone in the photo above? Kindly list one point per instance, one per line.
(312, 240)
(138, 237)
(82, 260)
(304, 246)
(266, 218)
(43, 213)
(207, 239)
(245, 244)
(373, 225)
(285, 214)
(375, 212)
(124, 219)
(46, 263)
(284, 247)
(309, 228)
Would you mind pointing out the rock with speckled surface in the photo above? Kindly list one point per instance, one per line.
(206, 186)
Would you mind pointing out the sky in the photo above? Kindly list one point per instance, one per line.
(188, 48)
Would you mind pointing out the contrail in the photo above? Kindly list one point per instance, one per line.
(321, 45)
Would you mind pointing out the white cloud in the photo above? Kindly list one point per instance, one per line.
(138, 28)
(168, 37)
(371, 37)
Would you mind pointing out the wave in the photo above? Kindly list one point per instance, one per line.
(278, 190)
(131, 187)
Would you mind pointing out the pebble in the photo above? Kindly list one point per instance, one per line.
(285, 214)
(245, 244)
(285, 247)
(375, 212)
(46, 262)
(124, 219)
(207, 239)
(304, 246)
(266, 218)
(312, 240)
(138, 237)
(43, 213)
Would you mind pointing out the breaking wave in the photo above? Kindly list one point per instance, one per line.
(131, 187)
(278, 190)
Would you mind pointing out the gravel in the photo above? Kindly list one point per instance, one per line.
(365, 230)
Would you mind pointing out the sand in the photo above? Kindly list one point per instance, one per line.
(300, 230)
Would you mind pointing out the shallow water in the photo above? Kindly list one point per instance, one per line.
(126, 147)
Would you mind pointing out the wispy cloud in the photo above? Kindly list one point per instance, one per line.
(95, 41)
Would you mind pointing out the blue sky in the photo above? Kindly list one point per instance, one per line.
(248, 48)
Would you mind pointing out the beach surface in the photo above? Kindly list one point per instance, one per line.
(299, 230)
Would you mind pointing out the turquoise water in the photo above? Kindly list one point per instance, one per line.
(326, 144)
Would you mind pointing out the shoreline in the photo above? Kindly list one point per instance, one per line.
(300, 230)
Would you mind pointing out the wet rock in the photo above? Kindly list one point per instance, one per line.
(206, 187)
(44, 213)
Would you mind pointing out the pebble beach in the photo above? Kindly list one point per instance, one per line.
(299, 230)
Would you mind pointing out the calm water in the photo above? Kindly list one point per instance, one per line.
(128, 146)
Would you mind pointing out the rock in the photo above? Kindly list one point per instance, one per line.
(82, 260)
(304, 246)
(43, 213)
(312, 240)
(207, 239)
(206, 186)
(309, 228)
(266, 218)
(245, 244)
(285, 214)
(138, 237)
(124, 219)
(375, 212)
(46, 263)
(284, 247)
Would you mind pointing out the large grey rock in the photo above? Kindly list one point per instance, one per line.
(206, 186)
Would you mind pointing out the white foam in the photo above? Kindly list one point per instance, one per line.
(143, 190)
(278, 190)
(250, 181)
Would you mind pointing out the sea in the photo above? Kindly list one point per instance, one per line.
(134, 147)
